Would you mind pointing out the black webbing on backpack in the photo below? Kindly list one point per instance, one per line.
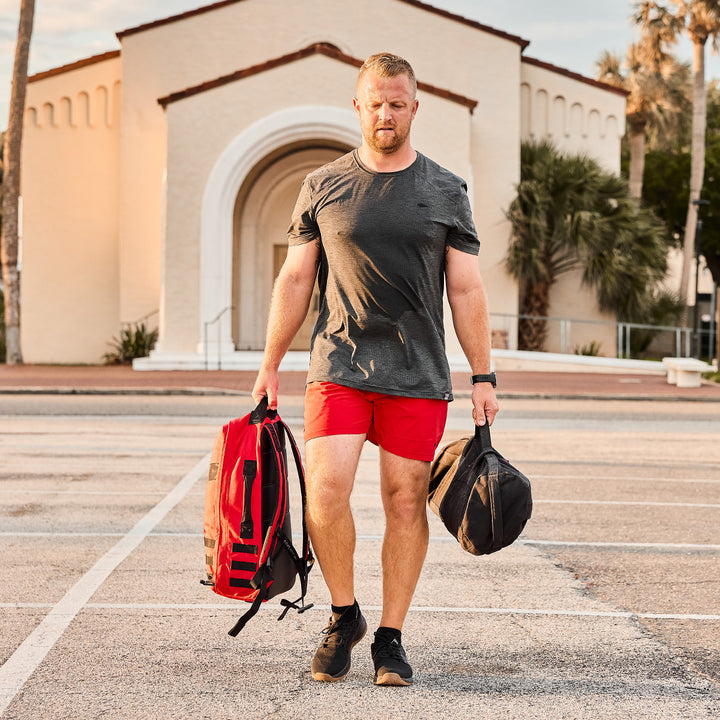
(250, 614)
(303, 562)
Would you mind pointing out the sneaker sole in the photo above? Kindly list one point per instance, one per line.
(392, 679)
(324, 677)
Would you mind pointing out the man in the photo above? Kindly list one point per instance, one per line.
(386, 227)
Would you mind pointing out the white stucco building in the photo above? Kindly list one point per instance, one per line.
(158, 180)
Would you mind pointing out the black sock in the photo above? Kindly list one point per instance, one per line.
(389, 633)
(340, 610)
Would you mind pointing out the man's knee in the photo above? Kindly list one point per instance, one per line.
(328, 500)
(405, 505)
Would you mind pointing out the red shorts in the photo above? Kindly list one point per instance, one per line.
(408, 427)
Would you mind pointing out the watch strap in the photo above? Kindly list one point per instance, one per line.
(491, 378)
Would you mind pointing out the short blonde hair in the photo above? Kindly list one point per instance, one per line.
(388, 65)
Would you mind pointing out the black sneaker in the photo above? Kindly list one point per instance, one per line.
(332, 659)
(391, 665)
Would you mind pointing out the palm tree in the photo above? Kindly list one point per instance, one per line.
(658, 96)
(11, 185)
(701, 18)
(569, 213)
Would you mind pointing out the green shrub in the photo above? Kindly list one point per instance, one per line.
(135, 341)
(593, 349)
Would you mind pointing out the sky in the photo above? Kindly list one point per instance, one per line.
(568, 33)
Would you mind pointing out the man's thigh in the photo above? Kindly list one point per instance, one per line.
(410, 428)
(333, 459)
(404, 478)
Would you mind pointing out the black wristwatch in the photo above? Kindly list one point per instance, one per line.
(491, 378)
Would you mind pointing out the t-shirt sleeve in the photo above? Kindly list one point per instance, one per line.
(303, 226)
(463, 235)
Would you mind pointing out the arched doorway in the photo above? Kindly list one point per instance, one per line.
(244, 159)
(261, 218)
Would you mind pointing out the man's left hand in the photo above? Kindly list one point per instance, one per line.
(485, 404)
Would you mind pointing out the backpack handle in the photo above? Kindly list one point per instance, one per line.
(261, 412)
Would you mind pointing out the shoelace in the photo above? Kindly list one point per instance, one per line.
(389, 648)
(337, 632)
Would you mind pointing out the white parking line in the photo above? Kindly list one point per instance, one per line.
(634, 503)
(433, 539)
(364, 496)
(81, 492)
(377, 608)
(24, 661)
(644, 546)
(621, 478)
(112, 450)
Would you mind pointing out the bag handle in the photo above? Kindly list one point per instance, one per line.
(482, 435)
(261, 412)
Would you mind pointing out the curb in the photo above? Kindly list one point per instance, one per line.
(227, 392)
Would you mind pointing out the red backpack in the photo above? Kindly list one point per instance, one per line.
(249, 553)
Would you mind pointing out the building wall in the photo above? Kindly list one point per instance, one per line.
(70, 215)
(576, 116)
(581, 118)
(162, 60)
(131, 210)
(192, 156)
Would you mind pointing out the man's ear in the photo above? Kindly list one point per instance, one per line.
(356, 105)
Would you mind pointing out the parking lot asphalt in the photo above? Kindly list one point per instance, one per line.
(607, 606)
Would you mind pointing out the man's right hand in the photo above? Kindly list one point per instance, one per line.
(266, 385)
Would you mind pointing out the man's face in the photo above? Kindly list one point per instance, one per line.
(386, 108)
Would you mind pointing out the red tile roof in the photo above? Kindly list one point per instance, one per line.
(318, 48)
(574, 76)
(74, 66)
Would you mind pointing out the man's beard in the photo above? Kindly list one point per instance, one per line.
(386, 144)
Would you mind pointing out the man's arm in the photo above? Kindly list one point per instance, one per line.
(288, 308)
(468, 303)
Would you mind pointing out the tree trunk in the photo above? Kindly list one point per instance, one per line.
(637, 161)
(532, 331)
(11, 185)
(697, 165)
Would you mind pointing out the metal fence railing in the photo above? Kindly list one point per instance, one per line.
(619, 339)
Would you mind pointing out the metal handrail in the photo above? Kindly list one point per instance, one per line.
(143, 318)
(207, 324)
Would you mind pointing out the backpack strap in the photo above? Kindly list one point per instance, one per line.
(302, 569)
(305, 560)
(259, 599)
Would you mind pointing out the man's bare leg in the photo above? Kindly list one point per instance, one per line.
(404, 485)
(331, 464)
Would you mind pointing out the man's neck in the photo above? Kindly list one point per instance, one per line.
(392, 162)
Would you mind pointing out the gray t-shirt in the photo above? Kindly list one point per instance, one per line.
(383, 239)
